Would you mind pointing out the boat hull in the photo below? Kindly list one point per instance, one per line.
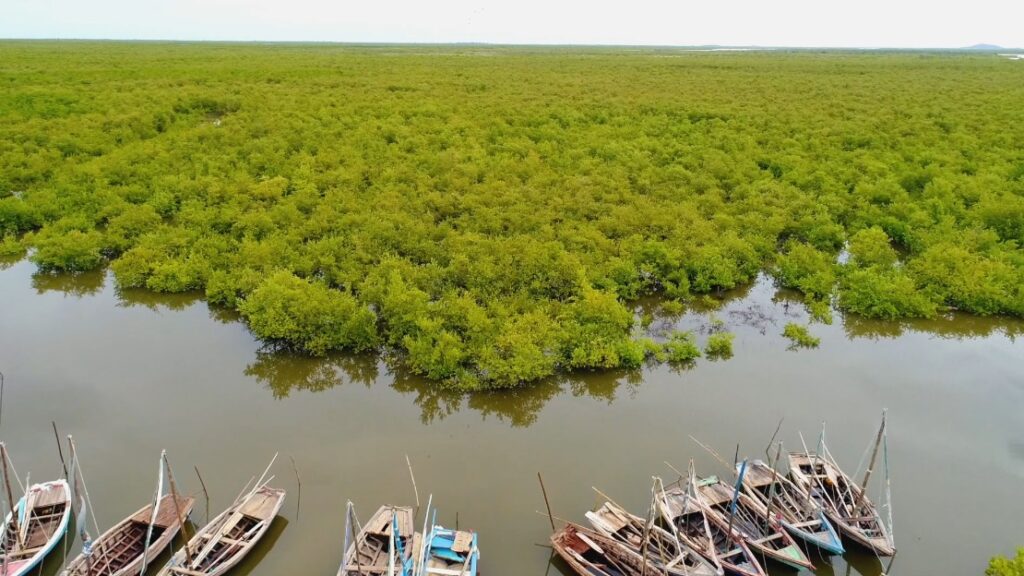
(61, 490)
(826, 539)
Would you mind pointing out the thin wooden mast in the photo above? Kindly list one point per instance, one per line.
(871, 463)
(771, 488)
(10, 499)
(177, 508)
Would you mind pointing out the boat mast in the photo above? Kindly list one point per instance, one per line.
(771, 488)
(871, 464)
(177, 508)
(10, 502)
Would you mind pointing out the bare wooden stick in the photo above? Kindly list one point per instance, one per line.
(767, 449)
(298, 499)
(205, 493)
(546, 503)
(674, 469)
(715, 454)
(552, 518)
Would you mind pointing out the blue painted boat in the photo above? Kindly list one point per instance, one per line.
(790, 506)
(41, 520)
(449, 552)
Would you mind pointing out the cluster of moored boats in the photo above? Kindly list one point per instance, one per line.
(387, 545)
(702, 526)
(41, 517)
(695, 526)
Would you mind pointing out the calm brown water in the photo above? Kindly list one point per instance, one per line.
(130, 374)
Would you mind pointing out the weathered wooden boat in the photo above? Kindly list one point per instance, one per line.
(119, 551)
(727, 508)
(39, 521)
(373, 551)
(682, 507)
(450, 552)
(844, 502)
(228, 538)
(668, 555)
(778, 497)
(589, 553)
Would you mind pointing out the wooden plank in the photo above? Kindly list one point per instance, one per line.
(165, 516)
(49, 496)
(261, 505)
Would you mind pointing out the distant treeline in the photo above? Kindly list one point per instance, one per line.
(488, 213)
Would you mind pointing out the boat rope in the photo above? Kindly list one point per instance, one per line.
(77, 467)
(14, 472)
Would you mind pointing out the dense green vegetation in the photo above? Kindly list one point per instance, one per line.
(487, 214)
(1002, 566)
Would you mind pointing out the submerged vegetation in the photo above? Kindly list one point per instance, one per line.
(487, 213)
(719, 346)
(800, 336)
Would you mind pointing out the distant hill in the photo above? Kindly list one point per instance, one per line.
(984, 47)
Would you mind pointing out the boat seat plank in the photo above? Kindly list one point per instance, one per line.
(166, 515)
(49, 496)
(260, 506)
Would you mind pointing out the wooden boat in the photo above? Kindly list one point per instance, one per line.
(40, 521)
(591, 554)
(450, 552)
(221, 544)
(683, 508)
(764, 537)
(667, 554)
(369, 553)
(801, 516)
(844, 502)
(119, 550)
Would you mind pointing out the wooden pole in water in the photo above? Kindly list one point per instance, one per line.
(298, 499)
(60, 452)
(546, 503)
(177, 508)
(413, 477)
(205, 493)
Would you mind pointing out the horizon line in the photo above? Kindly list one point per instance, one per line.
(979, 47)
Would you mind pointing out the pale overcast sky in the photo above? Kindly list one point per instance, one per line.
(832, 23)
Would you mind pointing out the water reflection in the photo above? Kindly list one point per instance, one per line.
(953, 326)
(156, 301)
(283, 372)
(77, 285)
